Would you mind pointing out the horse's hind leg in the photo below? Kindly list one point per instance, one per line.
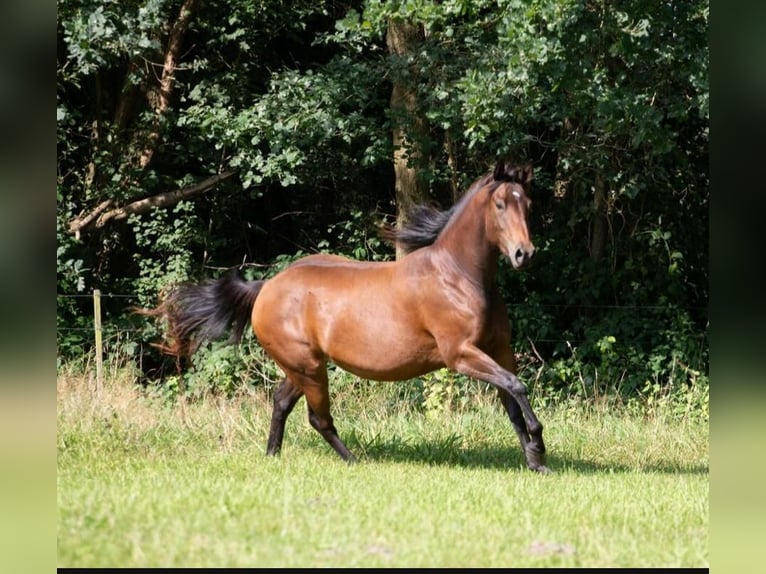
(285, 397)
(318, 399)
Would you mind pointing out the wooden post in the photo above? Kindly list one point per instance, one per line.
(99, 342)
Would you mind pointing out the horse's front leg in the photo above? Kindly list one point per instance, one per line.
(473, 362)
(532, 450)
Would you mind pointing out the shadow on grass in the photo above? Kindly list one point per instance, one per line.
(450, 452)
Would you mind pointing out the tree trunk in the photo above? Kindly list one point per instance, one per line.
(128, 95)
(409, 129)
(161, 99)
(140, 150)
(450, 149)
(599, 222)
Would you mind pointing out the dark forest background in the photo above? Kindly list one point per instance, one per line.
(197, 136)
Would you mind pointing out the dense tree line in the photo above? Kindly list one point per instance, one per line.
(195, 136)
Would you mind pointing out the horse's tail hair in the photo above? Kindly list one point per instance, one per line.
(195, 313)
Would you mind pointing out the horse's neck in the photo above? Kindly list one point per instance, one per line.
(465, 241)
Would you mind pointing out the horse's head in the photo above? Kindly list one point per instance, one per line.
(507, 212)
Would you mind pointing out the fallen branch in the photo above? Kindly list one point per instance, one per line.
(98, 217)
(81, 222)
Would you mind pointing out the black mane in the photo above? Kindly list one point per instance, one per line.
(425, 222)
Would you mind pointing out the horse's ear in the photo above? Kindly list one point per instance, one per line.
(525, 174)
(500, 172)
(505, 171)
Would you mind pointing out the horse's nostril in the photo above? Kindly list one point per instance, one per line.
(520, 256)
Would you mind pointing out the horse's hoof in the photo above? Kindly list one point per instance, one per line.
(536, 462)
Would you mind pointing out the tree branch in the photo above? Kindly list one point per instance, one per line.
(83, 221)
(99, 217)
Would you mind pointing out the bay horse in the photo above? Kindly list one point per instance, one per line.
(437, 306)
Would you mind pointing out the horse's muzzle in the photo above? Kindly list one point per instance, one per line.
(521, 255)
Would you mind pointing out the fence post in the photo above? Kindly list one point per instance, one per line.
(99, 343)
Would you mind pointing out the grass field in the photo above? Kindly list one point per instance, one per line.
(143, 484)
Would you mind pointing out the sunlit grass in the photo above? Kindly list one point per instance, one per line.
(141, 483)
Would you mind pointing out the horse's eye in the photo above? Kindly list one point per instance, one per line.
(500, 204)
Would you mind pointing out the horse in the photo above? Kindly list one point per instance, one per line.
(436, 306)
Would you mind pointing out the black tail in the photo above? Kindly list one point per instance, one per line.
(204, 312)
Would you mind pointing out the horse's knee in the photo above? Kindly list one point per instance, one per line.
(321, 424)
(516, 388)
(535, 429)
(285, 397)
(283, 405)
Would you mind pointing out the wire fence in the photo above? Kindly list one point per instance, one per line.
(113, 334)
(111, 329)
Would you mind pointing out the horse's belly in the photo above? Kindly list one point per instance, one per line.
(386, 363)
(378, 340)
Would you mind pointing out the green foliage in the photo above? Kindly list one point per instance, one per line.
(441, 392)
(164, 239)
(609, 100)
(286, 134)
(70, 278)
(356, 238)
(96, 34)
(216, 370)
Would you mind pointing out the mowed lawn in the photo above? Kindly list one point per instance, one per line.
(142, 484)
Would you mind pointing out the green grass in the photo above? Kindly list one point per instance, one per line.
(142, 484)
